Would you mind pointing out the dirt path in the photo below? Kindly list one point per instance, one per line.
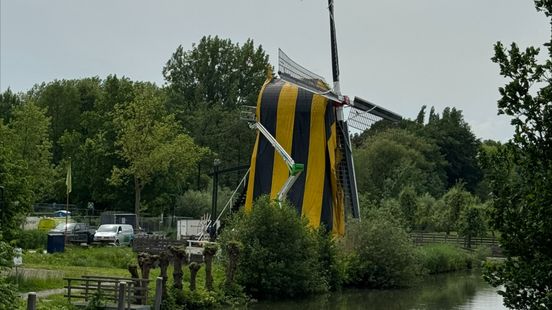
(45, 293)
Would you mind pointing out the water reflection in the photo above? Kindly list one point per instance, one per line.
(450, 291)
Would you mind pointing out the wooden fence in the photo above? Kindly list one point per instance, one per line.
(114, 291)
(421, 238)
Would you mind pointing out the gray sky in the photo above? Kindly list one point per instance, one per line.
(398, 54)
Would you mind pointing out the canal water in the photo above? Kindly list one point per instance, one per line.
(465, 290)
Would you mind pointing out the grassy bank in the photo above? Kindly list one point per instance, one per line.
(440, 258)
(46, 271)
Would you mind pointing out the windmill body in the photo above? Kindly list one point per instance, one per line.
(300, 116)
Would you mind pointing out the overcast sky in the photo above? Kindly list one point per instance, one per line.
(398, 54)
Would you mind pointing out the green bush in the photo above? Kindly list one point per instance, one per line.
(332, 263)
(380, 252)
(31, 239)
(439, 258)
(8, 295)
(281, 254)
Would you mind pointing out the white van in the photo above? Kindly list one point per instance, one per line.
(118, 234)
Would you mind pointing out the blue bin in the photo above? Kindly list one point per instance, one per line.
(56, 243)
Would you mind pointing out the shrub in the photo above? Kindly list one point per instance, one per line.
(439, 258)
(333, 265)
(281, 254)
(8, 296)
(31, 239)
(380, 252)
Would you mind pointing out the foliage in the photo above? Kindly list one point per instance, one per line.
(380, 252)
(472, 223)
(439, 258)
(407, 201)
(216, 71)
(427, 212)
(281, 254)
(25, 170)
(8, 101)
(457, 144)
(31, 239)
(8, 291)
(195, 204)
(8, 295)
(205, 86)
(332, 262)
(394, 159)
(521, 177)
(151, 141)
(455, 200)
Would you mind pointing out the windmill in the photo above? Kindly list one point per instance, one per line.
(303, 150)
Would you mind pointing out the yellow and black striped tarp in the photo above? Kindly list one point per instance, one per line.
(304, 124)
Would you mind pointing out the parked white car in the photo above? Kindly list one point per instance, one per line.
(118, 234)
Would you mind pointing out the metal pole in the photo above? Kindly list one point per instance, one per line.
(158, 293)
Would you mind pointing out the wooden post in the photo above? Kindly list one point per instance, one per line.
(164, 261)
(31, 301)
(121, 296)
(158, 293)
(69, 291)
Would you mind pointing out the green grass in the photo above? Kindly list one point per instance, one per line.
(440, 258)
(110, 257)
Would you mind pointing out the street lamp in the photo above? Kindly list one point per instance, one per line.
(213, 226)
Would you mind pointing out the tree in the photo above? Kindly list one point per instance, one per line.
(205, 86)
(150, 141)
(395, 158)
(521, 177)
(457, 144)
(455, 200)
(30, 126)
(8, 101)
(407, 201)
(471, 223)
(25, 162)
(215, 71)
